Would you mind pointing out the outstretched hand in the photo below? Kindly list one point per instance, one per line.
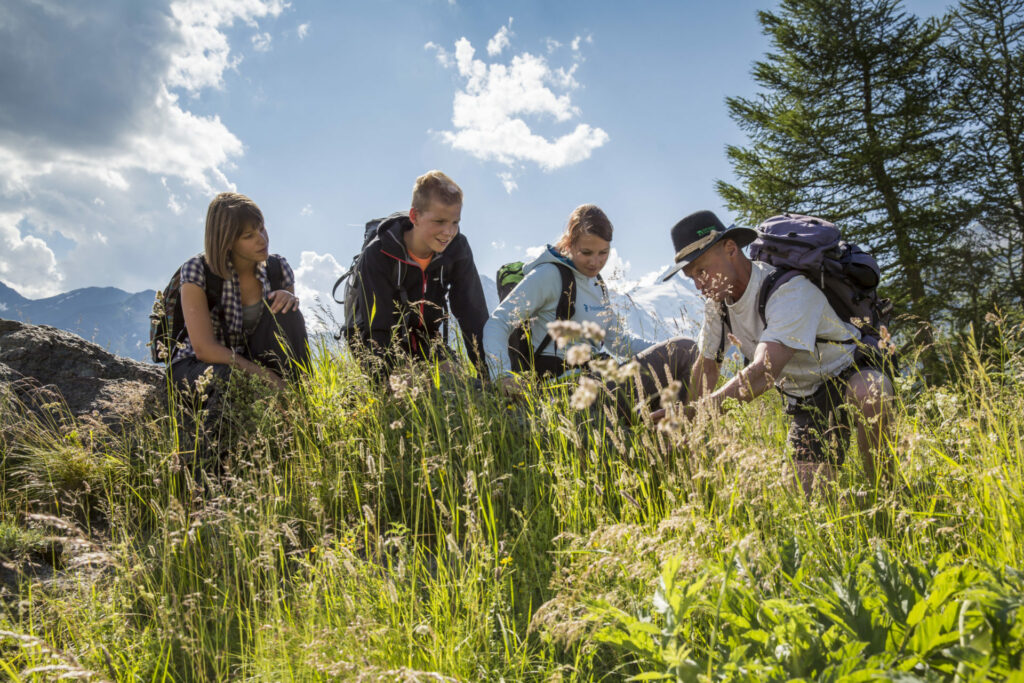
(283, 301)
(689, 411)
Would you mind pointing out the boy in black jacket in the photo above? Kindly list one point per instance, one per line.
(409, 272)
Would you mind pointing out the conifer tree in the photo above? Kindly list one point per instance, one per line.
(851, 124)
(986, 53)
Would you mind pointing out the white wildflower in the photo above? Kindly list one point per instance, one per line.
(592, 330)
(622, 373)
(585, 394)
(564, 331)
(577, 354)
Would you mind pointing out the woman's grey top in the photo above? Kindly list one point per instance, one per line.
(251, 316)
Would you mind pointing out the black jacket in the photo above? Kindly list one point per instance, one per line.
(386, 276)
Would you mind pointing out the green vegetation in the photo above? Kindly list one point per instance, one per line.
(443, 533)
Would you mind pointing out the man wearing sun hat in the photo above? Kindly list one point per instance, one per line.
(801, 346)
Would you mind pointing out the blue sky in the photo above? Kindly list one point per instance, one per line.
(120, 120)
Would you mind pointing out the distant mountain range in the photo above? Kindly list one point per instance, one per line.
(114, 319)
(118, 321)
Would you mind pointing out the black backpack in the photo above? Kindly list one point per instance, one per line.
(521, 352)
(814, 248)
(167, 321)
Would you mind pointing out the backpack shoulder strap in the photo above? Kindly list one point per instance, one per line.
(214, 287)
(275, 273)
(566, 307)
(775, 279)
(726, 328)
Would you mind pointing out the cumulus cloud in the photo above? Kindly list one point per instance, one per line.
(261, 42)
(490, 112)
(315, 276)
(302, 31)
(96, 132)
(500, 40)
(205, 53)
(28, 265)
(307, 210)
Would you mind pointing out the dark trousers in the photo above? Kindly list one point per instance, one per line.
(666, 361)
(662, 363)
(278, 342)
(820, 431)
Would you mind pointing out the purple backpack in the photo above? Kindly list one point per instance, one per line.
(814, 248)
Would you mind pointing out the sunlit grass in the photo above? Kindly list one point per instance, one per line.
(442, 532)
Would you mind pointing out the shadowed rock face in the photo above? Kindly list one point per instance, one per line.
(43, 365)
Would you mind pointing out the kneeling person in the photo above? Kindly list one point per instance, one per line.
(802, 346)
(238, 301)
(408, 273)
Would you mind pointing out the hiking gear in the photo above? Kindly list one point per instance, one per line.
(521, 351)
(167, 321)
(508, 276)
(813, 247)
(352, 311)
(698, 232)
(385, 289)
(533, 304)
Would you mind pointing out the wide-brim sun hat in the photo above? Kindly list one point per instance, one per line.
(698, 232)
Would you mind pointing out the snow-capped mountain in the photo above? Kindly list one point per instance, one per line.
(648, 307)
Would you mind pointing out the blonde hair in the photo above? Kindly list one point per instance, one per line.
(586, 219)
(435, 185)
(226, 219)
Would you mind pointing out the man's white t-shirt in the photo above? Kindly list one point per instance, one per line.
(798, 314)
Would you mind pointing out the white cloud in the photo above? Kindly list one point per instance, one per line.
(314, 278)
(206, 54)
(499, 245)
(100, 136)
(508, 181)
(500, 40)
(302, 31)
(552, 44)
(444, 58)
(28, 264)
(307, 210)
(489, 111)
(575, 45)
(261, 42)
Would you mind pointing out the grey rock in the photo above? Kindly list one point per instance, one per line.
(50, 369)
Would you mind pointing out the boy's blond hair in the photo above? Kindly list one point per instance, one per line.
(435, 185)
(226, 219)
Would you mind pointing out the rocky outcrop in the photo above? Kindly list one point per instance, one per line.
(47, 368)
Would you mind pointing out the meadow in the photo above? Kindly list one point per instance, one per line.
(439, 532)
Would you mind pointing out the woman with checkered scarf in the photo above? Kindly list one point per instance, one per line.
(254, 325)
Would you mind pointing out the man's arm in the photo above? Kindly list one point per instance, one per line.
(703, 377)
(752, 381)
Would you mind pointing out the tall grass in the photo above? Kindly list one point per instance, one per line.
(441, 532)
